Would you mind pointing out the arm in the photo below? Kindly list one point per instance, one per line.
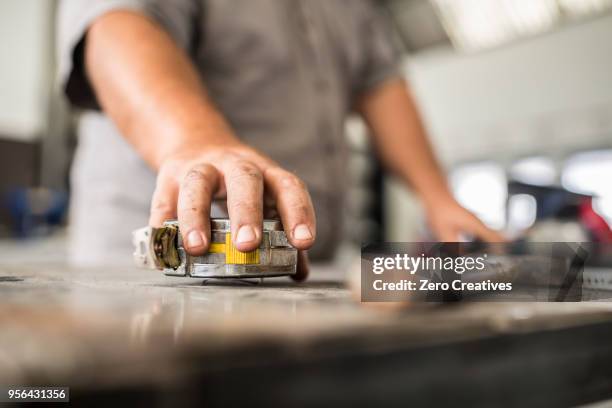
(153, 93)
(401, 140)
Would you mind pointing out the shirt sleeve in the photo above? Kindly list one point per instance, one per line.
(381, 54)
(75, 17)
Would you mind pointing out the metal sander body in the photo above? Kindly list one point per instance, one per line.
(162, 248)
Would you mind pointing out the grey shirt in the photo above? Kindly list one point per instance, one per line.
(283, 72)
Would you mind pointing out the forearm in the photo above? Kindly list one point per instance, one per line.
(153, 93)
(401, 140)
(150, 88)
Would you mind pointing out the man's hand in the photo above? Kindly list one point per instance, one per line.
(155, 96)
(188, 182)
(402, 143)
(450, 222)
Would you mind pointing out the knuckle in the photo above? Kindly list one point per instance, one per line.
(244, 169)
(195, 174)
(200, 174)
(274, 171)
(189, 215)
(245, 207)
(291, 181)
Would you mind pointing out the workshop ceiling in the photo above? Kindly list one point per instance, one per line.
(475, 25)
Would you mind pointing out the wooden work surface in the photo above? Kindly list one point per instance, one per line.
(129, 329)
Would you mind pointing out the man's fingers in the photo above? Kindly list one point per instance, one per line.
(294, 206)
(244, 185)
(163, 202)
(483, 232)
(448, 234)
(193, 208)
(302, 270)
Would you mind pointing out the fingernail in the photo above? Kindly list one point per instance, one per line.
(194, 239)
(302, 232)
(246, 233)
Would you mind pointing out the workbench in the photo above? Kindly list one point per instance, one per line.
(140, 336)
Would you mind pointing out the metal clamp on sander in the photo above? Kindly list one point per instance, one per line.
(162, 248)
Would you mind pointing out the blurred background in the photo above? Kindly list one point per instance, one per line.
(516, 95)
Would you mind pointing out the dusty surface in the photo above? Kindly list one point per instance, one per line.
(121, 324)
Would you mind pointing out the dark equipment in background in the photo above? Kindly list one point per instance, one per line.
(556, 208)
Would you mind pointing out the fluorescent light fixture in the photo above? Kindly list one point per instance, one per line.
(478, 24)
(575, 8)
